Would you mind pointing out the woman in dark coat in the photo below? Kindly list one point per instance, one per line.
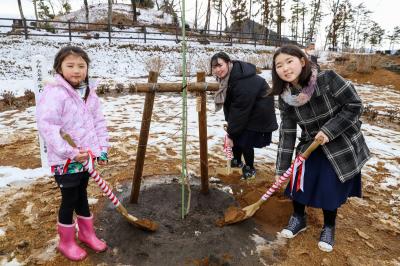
(323, 105)
(249, 112)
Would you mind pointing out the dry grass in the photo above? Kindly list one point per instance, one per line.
(156, 64)
(8, 97)
(203, 65)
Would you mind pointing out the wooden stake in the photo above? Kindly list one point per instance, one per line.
(201, 77)
(144, 136)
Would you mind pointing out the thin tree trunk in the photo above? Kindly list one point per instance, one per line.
(21, 13)
(52, 8)
(35, 9)
(314, 19)
(133, 2)
(195, 17)
(334, 17)
(220, 15)
(207, 23)
(85, 3)
(36, 14)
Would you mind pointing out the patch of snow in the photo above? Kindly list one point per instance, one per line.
(13, 175)
(14, 262)
(92, 201)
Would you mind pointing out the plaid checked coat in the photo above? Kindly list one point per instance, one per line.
(335, 109)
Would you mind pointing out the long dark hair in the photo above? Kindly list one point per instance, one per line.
(72, 50)
(215, 57)
(66, 51)
(277, 83)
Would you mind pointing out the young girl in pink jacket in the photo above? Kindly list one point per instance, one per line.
(70, 105)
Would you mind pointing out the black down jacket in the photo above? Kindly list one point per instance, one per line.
(246, 106)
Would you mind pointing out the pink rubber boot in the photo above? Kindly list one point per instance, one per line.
(67, 245)
(87, 235)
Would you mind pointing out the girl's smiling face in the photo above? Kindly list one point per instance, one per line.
(220, 69)
(74, 69)
(289, 67)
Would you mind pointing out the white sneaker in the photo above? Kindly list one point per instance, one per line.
(296, 225)
(327, 238)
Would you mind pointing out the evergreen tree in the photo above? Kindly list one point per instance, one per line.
(360, 25)
(394, 37)
(376, 34)
(238, 12)
(316, 16)
(44, 10)
(295, 18)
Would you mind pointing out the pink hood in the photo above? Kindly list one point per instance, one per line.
(61, 109)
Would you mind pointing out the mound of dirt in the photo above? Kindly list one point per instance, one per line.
(189, 241)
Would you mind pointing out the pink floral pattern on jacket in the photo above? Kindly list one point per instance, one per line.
(61, 109)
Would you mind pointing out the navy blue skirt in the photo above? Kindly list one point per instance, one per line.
(322, 187)
(252, 139)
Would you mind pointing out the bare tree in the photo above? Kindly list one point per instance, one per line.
(208, 15)
(85, 3)
(21, 12)
(228, 6)
(279, 5)
(195, 17)
(35, 9)
(110, 3)
(133, 3)
(52, 7)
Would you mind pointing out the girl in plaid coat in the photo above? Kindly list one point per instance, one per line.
(323, 105)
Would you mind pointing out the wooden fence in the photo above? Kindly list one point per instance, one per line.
(72, 30)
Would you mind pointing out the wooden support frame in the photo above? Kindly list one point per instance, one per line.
(150, 88)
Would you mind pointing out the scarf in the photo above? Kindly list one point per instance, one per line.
(305, 93)
(220, 95)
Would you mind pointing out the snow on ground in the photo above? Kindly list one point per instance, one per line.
(118, 62)
(100, 11)
(124, 115)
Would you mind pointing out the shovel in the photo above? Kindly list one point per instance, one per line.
(228, 152)
(144, 224)
(234, 214)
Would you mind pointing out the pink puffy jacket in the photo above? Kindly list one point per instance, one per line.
(61, 109)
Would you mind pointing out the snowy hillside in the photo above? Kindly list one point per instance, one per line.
(99, 12)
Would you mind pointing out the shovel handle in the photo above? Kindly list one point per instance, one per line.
(68, 139)
(312, 147)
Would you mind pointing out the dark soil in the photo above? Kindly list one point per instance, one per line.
(195, 240)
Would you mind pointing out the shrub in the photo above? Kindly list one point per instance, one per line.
(132, 88)
(146, 4)
(119, 87)
(8, 97)
(203, 64)
(29, 95)
(103, 88)
(369, 112)
(156, 64)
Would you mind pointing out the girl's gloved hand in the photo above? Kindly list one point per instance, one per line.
(102, 159)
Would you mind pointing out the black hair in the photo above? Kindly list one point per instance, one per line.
(72, 50)
(220, 55)
(66, 51)
(277, 83)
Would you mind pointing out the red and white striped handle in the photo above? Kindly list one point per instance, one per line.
(89, 166)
